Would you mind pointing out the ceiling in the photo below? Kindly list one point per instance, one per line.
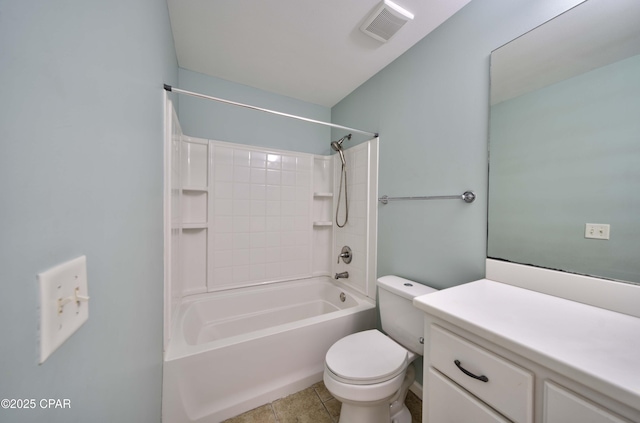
(312, 50)
(608, 32)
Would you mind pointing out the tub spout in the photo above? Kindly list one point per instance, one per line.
(342, 275)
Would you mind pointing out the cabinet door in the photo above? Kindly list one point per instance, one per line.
(563, 406)
(448, 403)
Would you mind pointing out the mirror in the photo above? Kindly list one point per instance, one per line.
(565, 144)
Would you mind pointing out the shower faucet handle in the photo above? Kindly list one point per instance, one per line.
(346, 255)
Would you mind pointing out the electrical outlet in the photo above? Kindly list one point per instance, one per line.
(597, 230)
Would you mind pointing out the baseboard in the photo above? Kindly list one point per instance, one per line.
(416, 388)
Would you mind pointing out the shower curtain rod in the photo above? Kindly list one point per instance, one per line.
(248, 106)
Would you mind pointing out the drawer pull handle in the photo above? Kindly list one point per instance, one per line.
(468, 373)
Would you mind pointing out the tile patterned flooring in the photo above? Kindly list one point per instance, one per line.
(312, 405)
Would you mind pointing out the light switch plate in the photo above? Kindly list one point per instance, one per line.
(64, 305)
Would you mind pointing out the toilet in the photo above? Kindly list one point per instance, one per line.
(370, 372)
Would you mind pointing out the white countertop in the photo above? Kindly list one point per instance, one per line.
(596, 347)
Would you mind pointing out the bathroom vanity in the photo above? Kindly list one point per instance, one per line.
(500, 353)
(530, 344)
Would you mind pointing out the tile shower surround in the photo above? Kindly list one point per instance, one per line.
(261, 217)
(354, 233)
(249, 215)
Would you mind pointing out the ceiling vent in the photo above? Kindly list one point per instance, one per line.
(385, 21)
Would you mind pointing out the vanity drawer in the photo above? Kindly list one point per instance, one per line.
(448, 403)
(508, 389)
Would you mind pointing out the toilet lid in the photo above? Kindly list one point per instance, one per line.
(366, 358)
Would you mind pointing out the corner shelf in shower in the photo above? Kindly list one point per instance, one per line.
(194, 213)
(194, 203)
(194, 225)
(322, 209)
(196, 189)
(322, 223)
(323, 194)
(321, 216)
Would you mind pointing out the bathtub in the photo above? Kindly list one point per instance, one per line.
(234, 350)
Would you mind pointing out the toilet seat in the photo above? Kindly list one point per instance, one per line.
(366, 358)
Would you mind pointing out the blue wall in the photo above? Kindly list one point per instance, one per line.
(211, 120)
(81, 166)
(564, 155)
(431, 107)
(81, 171)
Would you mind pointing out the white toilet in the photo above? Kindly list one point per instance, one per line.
(370, 372)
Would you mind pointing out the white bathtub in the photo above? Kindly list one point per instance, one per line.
(234, 350)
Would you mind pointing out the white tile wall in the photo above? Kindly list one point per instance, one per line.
(261, 227)
(355, 233)
(254, 222)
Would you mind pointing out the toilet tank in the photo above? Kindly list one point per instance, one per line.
(400, 319)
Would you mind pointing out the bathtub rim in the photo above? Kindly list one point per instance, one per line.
(177, 346)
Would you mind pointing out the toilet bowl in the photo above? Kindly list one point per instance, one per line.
(369, 372)
(365, 371)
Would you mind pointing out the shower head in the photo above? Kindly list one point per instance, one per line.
(337, 146)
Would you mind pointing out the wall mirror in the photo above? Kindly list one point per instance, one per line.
(565, 144)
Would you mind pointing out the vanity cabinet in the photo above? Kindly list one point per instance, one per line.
(499, 353)
(562, 405)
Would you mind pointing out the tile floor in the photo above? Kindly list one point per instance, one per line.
(312, 405)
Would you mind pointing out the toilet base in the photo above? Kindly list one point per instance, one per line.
(402, 416)
(379, 413)
(398, 409)
(388, 410)
(355, 413)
